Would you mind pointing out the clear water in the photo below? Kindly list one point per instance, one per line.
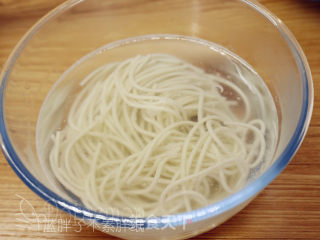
(209, 56)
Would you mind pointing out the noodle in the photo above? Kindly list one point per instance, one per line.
(155, 134)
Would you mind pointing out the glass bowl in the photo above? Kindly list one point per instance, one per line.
(78, 27)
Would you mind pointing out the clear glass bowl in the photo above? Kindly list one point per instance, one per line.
(78, 27)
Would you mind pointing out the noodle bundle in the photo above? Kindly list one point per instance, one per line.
(156, 134)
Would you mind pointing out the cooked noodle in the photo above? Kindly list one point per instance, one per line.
(155, 133)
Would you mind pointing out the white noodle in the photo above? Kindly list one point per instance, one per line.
(155, 133)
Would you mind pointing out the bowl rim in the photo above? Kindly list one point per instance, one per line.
(175, 220)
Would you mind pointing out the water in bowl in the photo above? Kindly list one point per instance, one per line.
(210, 57)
